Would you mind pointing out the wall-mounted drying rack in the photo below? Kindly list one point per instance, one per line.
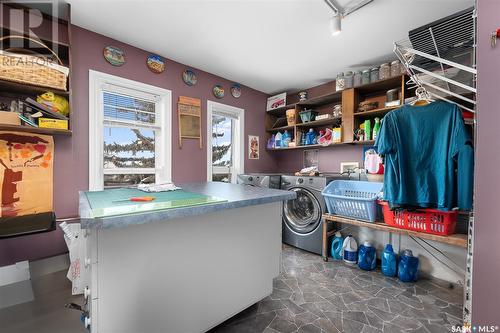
(440, 58)
(452, 82)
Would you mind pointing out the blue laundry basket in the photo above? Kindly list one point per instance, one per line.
(353, 199)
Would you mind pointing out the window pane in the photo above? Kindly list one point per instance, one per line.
(128, 148)
(222, 135)
(221, 177)
(127, 180)
(120, 107)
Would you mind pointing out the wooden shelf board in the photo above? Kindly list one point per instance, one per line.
(321, 122)
(455, 239)
(376, 112)
(323, 99)
(281, 110)
(26, 89)
(282, 128)
(381, 86)
(37, 130)
(308, 147)
(364, 143)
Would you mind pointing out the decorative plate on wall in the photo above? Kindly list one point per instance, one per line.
(155, 64)
(218, 91)
(189, 77)
(236, 90)
(114, 55)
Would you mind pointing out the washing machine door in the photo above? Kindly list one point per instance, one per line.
(302, 214)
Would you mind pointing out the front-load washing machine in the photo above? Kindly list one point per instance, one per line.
(302, 217)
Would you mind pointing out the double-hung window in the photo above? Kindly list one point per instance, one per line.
(130, 133)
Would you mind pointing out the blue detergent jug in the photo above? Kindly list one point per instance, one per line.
(311, 137)
(389, 261)
(408, 267)
(337, 242)
(285, 139)
(367, 257)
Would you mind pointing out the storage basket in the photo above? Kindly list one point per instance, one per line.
(33, 70)
(429, 221)
(354, 199)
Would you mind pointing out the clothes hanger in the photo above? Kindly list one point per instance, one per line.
(423, 97)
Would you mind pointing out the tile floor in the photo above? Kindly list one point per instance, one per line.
(316, 296)
(309, 296)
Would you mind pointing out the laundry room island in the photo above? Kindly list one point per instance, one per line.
(183, 264)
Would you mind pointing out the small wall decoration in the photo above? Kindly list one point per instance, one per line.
(348, 166)
(114, 55)
(189, 117)
(236, 90)
(189, 77)
(218, 91)
(155, 64)
(276, 101)
(253, 147)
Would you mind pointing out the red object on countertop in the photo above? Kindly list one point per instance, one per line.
(429, 221)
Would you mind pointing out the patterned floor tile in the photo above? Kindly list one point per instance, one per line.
(312, 296)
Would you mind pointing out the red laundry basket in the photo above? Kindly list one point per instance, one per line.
(430, 221)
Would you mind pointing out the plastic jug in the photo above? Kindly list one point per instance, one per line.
(389, 261)
(408, 267)
(270, 142)
(285, 139)
(337, 245)
(376, 128)
(367, 257)
(311, 137)
(350, 250)
(278, 139)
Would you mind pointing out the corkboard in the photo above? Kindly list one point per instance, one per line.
(189, 117)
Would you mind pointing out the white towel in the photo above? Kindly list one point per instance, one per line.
(158, 187)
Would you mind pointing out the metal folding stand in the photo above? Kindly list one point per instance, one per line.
(450, 81)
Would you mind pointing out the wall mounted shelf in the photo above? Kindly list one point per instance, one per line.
(37, 130)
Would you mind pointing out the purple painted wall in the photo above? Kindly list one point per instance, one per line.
(329, 158)
(71, 153)
(486, 264)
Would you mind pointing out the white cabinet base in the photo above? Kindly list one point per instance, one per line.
(184, 275)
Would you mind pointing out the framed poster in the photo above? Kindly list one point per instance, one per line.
(26, 173)
(253, 147)
(276, 101)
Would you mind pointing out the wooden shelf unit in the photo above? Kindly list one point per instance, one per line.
(10, 91)
(350, 120)
(459, 240)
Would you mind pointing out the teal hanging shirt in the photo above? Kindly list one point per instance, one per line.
(428, 157)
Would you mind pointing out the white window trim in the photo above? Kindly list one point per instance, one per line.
(96, 168)
(239, 131)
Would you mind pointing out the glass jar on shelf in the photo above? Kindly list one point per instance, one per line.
(349, 79)
(340, 82)
(374, 74)
(385, 71)
(357, 79)
(365, 76)
(396, 68)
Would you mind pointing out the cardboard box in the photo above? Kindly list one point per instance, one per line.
(52, 123)
(337, 135)
(9, 118)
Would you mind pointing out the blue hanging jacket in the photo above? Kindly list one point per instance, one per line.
(428, 157)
